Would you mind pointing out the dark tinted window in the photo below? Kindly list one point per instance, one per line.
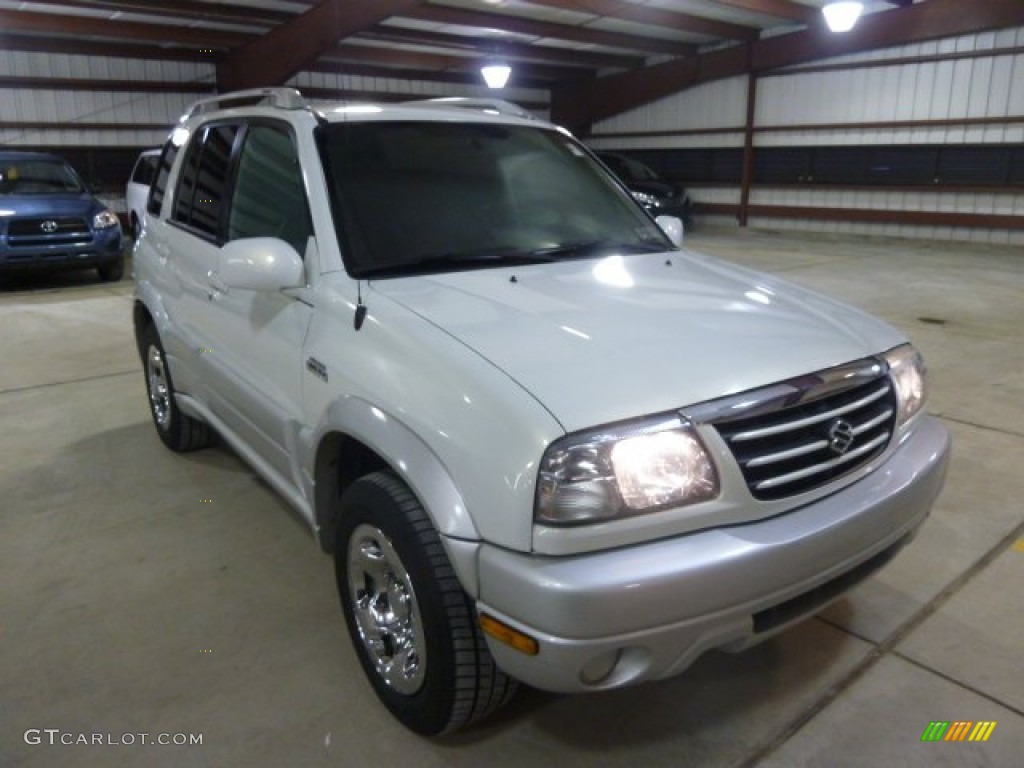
(904, 165)
(839, 165)
(782, 165)
(989, 165)
(269, 198)
(158, 190)
(145, 169)
(895, 165)
(439, 196)
(202, 184)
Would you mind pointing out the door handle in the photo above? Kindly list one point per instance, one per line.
(163, 251)
(216, 286)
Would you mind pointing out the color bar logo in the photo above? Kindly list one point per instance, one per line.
(958, 730)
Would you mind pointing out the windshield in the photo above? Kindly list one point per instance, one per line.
(37, 176)
(413, 197)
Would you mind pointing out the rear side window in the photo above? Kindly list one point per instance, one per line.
(202, 183)
(145, 169)
(158, 190)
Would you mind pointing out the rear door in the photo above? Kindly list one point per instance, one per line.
(188, 245)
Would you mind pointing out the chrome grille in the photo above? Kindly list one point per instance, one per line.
(815, 430)
(66, 230)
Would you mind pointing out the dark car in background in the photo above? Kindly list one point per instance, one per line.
(658, 196)
(49, 219)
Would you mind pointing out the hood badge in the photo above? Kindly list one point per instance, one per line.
(49, 226)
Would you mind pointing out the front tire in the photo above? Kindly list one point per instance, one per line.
(178, 431)
(414, 628)
(113, 271)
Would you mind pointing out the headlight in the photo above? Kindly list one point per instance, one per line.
(105, 219)
(623, 470)
(908, 376)
(645, 199)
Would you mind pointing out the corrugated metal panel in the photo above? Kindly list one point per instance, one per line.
(969, 88)
(961, 89)
(414, 89)
(703, 141)
(75, 107)
(946, 234)
(721, 104)
(952, 202)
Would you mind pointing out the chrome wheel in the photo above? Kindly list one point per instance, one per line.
(159, 390)
(385, 609)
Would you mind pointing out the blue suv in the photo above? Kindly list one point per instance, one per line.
(49, 219)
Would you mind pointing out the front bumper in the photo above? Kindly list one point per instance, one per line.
(646, 612)
(104, 247)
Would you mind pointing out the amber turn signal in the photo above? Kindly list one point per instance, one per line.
(508, 635)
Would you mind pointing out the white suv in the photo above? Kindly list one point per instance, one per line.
(541, 441)
(136, 191)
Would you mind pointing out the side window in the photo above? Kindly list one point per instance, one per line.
(202, 183)
(145, 169)
(269, 198)
(159, 187)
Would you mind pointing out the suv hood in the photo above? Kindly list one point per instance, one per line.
(81, 204)
(601, 340)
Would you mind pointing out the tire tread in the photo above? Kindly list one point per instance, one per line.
(480, 687)
(185, 433)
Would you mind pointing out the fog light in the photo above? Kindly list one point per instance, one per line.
(597, 670)
(508, 635)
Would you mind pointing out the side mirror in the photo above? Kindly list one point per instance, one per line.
(672, 227)
(260, 264)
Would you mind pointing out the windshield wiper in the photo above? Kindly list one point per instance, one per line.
(458, 260)
(505, 256)
(583, 249)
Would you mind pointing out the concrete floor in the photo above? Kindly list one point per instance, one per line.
(145, 592)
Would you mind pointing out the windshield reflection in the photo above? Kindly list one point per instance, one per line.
(415, 197)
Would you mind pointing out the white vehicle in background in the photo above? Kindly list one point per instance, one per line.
(137, 190)
(542, 441)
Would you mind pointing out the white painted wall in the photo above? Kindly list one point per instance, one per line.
(989, 86)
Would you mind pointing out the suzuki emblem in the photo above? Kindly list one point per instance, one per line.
(840, 436)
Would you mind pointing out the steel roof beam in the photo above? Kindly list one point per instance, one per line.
(578, 105)
(655, 17)
(290, 47)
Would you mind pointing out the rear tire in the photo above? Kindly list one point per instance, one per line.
(178, 432)
(414, 628)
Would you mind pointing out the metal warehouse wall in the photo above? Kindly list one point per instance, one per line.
(102, 130)
(92, 118)
(414, 89)
(973, 97)
(77, 117)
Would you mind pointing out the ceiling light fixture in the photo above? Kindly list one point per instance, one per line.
(496, 75)
(842, 15)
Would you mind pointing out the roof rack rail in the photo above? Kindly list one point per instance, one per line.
(501, 106)
(283, 98)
